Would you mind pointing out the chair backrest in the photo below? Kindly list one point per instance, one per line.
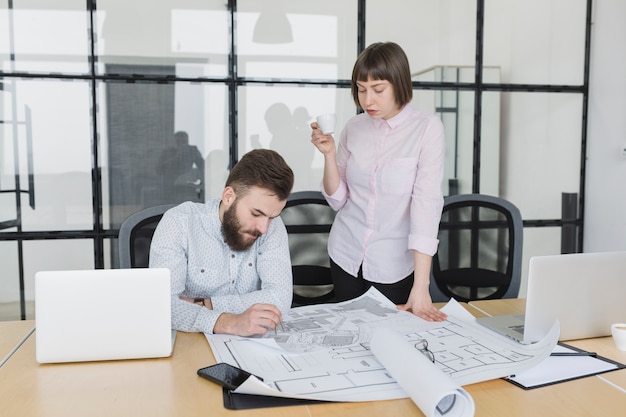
(480, 249)
(308, 219)
(136, 234)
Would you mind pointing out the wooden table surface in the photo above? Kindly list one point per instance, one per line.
(171, 387)
(12, 334)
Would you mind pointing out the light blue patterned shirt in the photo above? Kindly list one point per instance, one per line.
(189, 241)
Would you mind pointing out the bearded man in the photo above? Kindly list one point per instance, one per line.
(229, 258)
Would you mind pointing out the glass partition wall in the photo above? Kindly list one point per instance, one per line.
(110, 107)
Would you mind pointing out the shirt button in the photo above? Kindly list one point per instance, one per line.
(232, 256)
(232, 282)
(202, 271)
(250, 264)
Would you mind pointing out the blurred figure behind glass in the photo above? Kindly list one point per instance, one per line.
(181, 168)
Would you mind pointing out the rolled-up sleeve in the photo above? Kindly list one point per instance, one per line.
(427, 198)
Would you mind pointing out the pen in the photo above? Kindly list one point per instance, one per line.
(280, 323)
(594, 354)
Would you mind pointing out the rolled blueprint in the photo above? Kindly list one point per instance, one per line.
(431, 390)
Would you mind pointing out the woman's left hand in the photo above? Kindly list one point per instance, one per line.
(420, 304)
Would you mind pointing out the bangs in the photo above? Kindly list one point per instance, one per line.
(372, 69)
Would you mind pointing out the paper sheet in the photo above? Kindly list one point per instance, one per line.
(324, 352)
(429, 388)
(554, 369)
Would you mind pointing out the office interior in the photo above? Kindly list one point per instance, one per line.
(531, 93)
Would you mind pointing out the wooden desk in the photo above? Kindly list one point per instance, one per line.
(170, 387)
(12, 334)
(500, 307)
(150, 387)
(604, 346)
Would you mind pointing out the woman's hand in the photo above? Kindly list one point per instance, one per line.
(419, 301)
(420, 304)
(324, 143)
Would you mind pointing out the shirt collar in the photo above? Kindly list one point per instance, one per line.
(396, 120)
(214, 225)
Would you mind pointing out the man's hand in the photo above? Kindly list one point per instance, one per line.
(257, 319)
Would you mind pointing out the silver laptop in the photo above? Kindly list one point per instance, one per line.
(585, 292)
(103, 314)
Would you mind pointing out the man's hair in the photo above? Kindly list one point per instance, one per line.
(262, 168)
(384, 61)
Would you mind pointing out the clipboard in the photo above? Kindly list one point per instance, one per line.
(234, 401)
(557, 369)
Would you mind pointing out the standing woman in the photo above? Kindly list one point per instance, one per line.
(384, 180)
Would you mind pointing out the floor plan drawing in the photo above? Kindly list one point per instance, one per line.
(333, 325)
(323, 351)
(455, 350)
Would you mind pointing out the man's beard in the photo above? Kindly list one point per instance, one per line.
(231, 231)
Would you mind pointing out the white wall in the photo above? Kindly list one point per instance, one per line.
(605, 203)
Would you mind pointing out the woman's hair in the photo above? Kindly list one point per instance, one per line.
(262, 168)
(384, 61)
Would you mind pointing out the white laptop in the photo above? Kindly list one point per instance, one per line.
(585, 292)
(103, 314)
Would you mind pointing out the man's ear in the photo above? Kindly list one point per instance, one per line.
(228, 196)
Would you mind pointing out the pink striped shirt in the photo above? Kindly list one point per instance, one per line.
(390, 198)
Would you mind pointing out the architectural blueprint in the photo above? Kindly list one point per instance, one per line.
(309, 328)
(324, 351)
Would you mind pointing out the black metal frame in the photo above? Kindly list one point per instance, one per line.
(233, 81)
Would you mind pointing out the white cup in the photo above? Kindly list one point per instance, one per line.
(618, 330)
(326, 123)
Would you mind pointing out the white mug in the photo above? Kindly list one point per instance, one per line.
(326, 123)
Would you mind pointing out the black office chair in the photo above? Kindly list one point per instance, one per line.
(308, 219)
(136, 234)
(480, 249)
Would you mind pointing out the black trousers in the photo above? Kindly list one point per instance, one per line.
(348, 286)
